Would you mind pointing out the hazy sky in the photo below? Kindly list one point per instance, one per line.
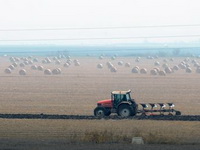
(37, 14)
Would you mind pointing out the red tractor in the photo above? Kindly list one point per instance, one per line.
(122, 104)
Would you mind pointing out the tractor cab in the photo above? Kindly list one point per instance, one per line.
(119, 96)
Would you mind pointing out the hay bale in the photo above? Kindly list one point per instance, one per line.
(47, 72)
(168, 70)
(113, 69)
(11, 67)
(22, 72)
(165, 65)
(135, 70)
(48, 60)
(143, 71)
(77, 63)
(157, 69)
(101, 57)
(44, 61)
(153, 72)
(66, 65)
(188, 70)
(171, 59)
(35, 60)
(56, 71)
(57, 62)
(137, 60)
(162, 73)
(34, 67)
(22, 65)
(40, 68)
(176, 68)
(127, 64)
(26, 63)
(15, 64)
(30, 62)
(109, 64)
(100, 66)
(182, 65)
(120, 63)
(7, 71)
(113, 57)
(156, 63)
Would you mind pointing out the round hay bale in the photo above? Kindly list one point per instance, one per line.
(171, 59)
(22, 72)
(66, 65)
(135, 70)
(12, 59)
(168, 70)
(194, 61)
(15, 64)
(30, 62)
(22, 65)
(157, 69)
(26, 63)
(109, 64)
(101, 57)
(7, 71)
(162, 73)
(175, 68)
(11, 67)
(182, 65)
(137, 60)
(40, 68)
(165, 65)
(120, 63)
(47, 72)
(44, 61)
(34, 67)
(196, 65)
(35, 60)
(100, 66)
(17, 59)
(68, 57)
(143, 71)
(188, 70)
(156, 63)
(153, 72)
(113, 57)
(77, 63)
(127, 65)
(187, 65)
(76, 60)
(48, 60)
(113, 69)
(55, 58)
(56, 71)
(57, 62)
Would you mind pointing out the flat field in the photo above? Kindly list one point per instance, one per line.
(77, 89)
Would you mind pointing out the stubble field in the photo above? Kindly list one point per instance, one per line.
(77, 89)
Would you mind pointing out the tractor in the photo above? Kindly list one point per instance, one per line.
(122, 104)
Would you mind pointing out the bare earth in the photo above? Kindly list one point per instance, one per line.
(77, 89)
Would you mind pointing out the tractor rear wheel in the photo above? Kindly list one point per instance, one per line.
(125, 111)
(100, 112)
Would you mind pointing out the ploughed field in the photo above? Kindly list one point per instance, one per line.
(57, 88)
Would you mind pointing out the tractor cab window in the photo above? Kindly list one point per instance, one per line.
(119, 97)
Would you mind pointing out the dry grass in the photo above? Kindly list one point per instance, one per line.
(101, 131)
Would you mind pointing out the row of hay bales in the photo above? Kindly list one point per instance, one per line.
(30, 61)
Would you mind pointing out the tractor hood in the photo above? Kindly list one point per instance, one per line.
(105, 103)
